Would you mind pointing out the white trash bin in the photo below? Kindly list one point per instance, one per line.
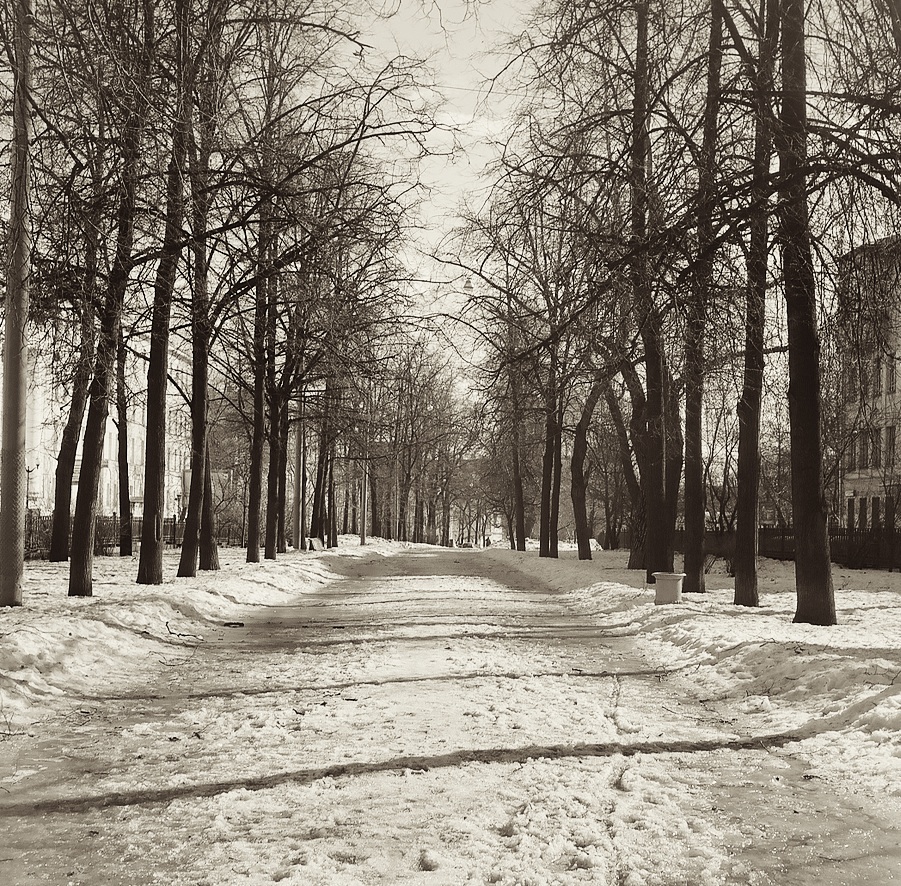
(668, 587)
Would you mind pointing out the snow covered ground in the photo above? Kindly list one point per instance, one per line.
(399, 714)
(840, 686)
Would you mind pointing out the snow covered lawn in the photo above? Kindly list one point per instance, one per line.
(839, 687)
(54, 646)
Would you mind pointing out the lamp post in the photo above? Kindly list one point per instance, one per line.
(28, 472)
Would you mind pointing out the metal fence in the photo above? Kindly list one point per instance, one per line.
(857, 548)
(106, 534)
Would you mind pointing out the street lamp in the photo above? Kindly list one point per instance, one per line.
(28, 472)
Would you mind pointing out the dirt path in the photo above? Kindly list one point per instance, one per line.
(426, 719)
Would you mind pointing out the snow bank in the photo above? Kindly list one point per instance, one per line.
(838, 688)
(55, 645)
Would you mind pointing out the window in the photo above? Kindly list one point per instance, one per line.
(876, 460)
(851, 513)
(891, 381)
(862, 514)
(890, 446)
(877, 512)
(863, 450)
(877, 375)
(849, 455)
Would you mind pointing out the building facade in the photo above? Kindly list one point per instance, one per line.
(47, 410)
(869, 349)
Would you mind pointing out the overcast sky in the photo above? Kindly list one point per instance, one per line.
(462, 47)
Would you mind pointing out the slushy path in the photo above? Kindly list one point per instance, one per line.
(426, 719)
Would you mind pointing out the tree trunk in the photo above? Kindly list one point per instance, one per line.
(577, 465)
(13, 478)
(637, 509)
(445, 522)
(81, 562)
(82, 549)
(813, 571)
(332, 509)
(209, 550)
(318, 527)
(258, 437)
(276, 403)
(432, 522)
(65, 465)
(199, 170)
(125, 535)
(513, 381)
(300, 481)
(374, 508)
(150, 564)
(745, 558)
(281, 543)
(673, 451)
(652, 473)
(697, 318)
(547, 464)
(271, 537)
(558, 477)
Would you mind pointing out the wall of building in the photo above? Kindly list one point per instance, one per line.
(47, 411)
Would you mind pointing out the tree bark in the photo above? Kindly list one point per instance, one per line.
(125, 535)
(813, 571)
(746, 532)
(697, 317)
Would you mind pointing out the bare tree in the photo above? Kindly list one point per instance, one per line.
(15, 351)
(813, 571)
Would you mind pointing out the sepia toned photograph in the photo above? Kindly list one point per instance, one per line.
(450, 442)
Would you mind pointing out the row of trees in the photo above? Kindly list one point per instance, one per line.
(235, 178)
(231, 178)
(673, 172)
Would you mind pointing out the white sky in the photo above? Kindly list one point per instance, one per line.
(463, 43)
